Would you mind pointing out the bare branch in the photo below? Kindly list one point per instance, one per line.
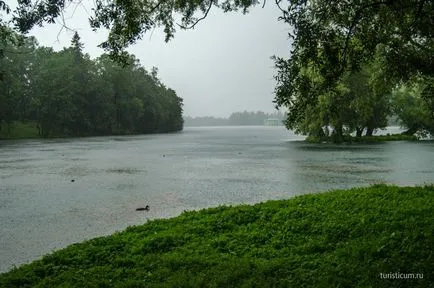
(200, 19)
(84, 8)
(285, 15)
(75, 9)
(64, 26)
(152, 33)
(280, 8)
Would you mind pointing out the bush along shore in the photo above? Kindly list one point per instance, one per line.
(363, 139)
(380, 236)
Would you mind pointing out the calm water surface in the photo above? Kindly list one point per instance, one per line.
(42, 210)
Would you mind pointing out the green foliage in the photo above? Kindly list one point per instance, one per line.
(18, 130)
(335, 239)
(364, 139)
(346, 57)
(360, 101)
(413, 109)
(349, 32)
(335, 36)
(67, 94)
(14, 85)
(388, 137)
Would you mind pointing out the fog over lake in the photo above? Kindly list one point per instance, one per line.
(41, 209)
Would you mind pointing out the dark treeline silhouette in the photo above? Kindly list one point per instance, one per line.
(236, 118)
(66, 93)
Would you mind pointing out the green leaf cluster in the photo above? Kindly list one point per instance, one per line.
(412, 106)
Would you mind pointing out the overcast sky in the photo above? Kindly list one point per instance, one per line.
(220, 67)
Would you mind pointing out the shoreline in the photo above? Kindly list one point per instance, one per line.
(30, 133)
(261, 243)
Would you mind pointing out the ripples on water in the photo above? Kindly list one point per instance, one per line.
(41, 209)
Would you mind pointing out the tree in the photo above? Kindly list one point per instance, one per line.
(76, 45)
(370, 99)
(67, 94)
(52, 96)
(80, 87)
(5, 31)
(334, 39)
(358, 101)
(14, 84)
(412, 109)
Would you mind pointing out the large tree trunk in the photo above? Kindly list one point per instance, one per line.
(320, 133)
(338, 134)
(369, 131)
(410, 131)
(39, 129)
(359, 132)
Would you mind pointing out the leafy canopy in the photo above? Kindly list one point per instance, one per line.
(334, 42)
(348, 31)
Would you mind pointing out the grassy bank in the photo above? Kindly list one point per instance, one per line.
(29, 130)
(18, 130)
(364, 139)
(334, 239)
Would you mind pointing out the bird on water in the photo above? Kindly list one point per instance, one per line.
(146, 208)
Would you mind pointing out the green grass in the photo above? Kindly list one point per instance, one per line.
(18, 130)
(365, 139)
(334, 239)
(388, 137)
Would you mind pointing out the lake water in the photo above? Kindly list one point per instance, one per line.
(42, 210)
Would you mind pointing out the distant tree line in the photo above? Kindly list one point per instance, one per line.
(235, 119)
(66, 93)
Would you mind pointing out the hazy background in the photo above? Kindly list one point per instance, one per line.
(220, 67)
